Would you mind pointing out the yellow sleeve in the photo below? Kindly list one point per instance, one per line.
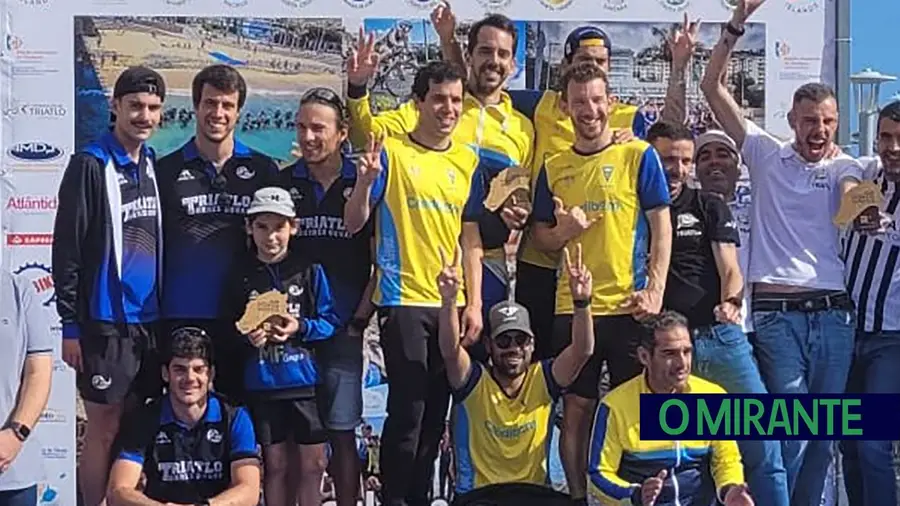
(389, 123)
(528, 158)
(725, 464)
(604, 456)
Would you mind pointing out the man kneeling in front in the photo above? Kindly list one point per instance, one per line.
(193, 447)
(661, 473)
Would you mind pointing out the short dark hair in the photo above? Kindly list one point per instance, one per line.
(437, 72)
(221, 77)
(582, 73)
(665, 129)
(498, 21)
(816, 92)
(890, 111)
(665, 320)
(189, 343)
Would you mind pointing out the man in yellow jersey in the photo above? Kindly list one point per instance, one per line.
(503, 411)
(502, 136)
(425, 192)
(613, 199)
(624, 467)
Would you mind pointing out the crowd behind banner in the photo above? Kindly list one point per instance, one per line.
(465, 254)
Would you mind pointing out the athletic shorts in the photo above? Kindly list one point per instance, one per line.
(536, 291)
(295, 420)
(340, 361)
(615, 342)
(119, 361)
(228, 353)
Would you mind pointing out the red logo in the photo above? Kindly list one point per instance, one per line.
(29, 239)
(31, 203)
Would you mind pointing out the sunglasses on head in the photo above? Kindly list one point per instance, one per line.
(325, 96)
(506, 339)
(183, 332)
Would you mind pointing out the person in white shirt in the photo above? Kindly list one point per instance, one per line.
(873, 278)
(802, 314)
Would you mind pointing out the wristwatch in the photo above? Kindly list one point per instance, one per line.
(21, 431)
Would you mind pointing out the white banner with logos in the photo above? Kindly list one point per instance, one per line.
(59, 58)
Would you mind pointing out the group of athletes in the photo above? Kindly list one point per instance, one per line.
(622, 265)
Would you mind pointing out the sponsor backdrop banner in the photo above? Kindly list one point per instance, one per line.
(59, 58)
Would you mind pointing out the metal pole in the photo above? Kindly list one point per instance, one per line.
(842, 76)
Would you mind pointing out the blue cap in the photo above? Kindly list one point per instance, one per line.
(584, 36)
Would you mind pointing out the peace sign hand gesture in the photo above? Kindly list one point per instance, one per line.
(683, 41)
(448, 279)
(363, 60)
(581, 282)
(368, 167)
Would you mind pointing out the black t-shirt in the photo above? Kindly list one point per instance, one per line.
(693, 287)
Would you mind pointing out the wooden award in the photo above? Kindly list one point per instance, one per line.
(510, 182)
(861, 206)
(261, 309)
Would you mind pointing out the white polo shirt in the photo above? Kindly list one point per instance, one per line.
(794, 239)
(23, 331)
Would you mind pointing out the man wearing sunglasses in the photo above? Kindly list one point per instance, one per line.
(205, 189)
(503, 411)
(320, 182)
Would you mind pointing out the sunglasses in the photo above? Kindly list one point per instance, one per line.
(325, 96)
(506, 340)
(185, 332)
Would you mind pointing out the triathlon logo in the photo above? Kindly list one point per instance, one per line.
(40, 278)
(176, 2)
(236, 3)
(358, 4)
(675, 5)
(556, 5)
(423, 4)
(802, 6)
(615, 5)
(297, 4)
(493, 5)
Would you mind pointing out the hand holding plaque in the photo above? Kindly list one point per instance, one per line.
(510, 189)
(862, 207)
(261, 310)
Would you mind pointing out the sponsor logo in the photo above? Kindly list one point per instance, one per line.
(213, 436)
(358, 4)
(296, 3)
(29, 239)
(244, 173)
(51, 415)
(54, 452)
(236, 3)
(34, 3)
(556, 5)
(41, 279)
(782, 49)
(13, 43)
(802, 6)
(36, 110)
(176, 2)
(494, 4)
(31, 203)
(615, 5)
(47, 495)
(675, 5)
(35, 151)
(423, 4)
(100, 383)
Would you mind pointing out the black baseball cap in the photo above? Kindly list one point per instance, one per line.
(139, 79)
(585, 36)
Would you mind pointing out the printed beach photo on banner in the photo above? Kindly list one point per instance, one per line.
(407, 44)
(639, 65)
(279, 59)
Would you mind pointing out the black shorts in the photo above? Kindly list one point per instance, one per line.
(536, 291)
(296, 420)
(228, 353)
(119, 361)
(616, 338)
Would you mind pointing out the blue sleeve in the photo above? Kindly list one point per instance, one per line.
(526, 101)
(243, 439)
(475, 203)
(639, 125)
(323, 325)
(475, 372)
(543, 199)
(552, 386)
(653, 190)
(380, 184)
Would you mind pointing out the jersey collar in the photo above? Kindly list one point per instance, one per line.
(503, 110)
(119, 155)
(348, 169)
(213, 412)
(191, 152)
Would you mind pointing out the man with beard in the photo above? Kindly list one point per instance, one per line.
(107, 253)
(705, 285)
(613, 199)
(503, 136)
(423, 189)
(802, 314)
(206, 187)
(503, 411)
(191, 446)
(873, 278)
(655, 473)
(319, 184)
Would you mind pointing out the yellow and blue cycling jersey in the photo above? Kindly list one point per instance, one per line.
(616, 185)
(502, 439)
(554, 133)
(420, 199)
(619, 461)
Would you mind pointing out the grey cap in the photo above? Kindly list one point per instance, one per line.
(508, 315)
(272, 200)
(716, 137)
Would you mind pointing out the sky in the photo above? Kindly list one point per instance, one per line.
(872, 46)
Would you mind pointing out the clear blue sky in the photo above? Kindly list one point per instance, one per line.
(871, 45)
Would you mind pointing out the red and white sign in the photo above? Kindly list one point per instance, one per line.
(29, 239)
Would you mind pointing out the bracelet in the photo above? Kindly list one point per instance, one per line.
(737, 32)
(581, 303)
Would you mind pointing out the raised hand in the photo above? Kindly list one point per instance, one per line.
(368, 167)
(448, 279)
(738, 495)
(572, 221)
(444, 21)
(363, 60)
(746, 8)
(683, 41)
(651, 488)
(580, 279)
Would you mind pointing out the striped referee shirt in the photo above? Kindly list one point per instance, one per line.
(872, 270)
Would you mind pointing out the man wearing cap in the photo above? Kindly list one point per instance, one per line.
(205, 189)
(107, 251)
(803, 317)
(705, 285)
(503, 410)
